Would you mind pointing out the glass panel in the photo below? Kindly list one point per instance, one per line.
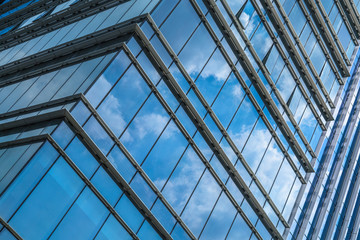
(124, 100)
(165, 153)
(201, 203)
(220, 219)
(43, 209)
(121, 163)
(129, 213)
(178, 28)
(83, 219)
(183, 180)
(147, 232)
(197, 51)
(145, 128)
(81, 156)
(28, 177)
(112, 229)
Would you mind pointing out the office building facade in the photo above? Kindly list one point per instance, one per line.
(179, 119)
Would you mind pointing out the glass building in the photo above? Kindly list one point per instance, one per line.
(179, 119)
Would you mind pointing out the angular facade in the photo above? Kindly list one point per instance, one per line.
(179, 119)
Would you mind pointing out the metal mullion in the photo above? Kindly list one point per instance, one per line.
(332, 31)
(324, 32)
(10, 229)
(191, 142)
(231, 226)
(136, 165)
(354, 10)
(327, 154)
(295, 55)
(270, 81)
(91, 186)
(299, 62)
(261, 89)
(208, 137)
(351, 24)
(289, 67)
(8, 95)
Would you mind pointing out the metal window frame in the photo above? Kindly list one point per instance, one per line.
(269, 78)
(60, 52)
(205, 132)
(81, 98)
(332, 31)
(287, 63)
(99, 156)
(349, 19)
(296, 58)
(47, 137)
(258, 84)
(190, 140)
(76, 51)
(187, 136)
(214, 117)
(291, 47)
(325, 34)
